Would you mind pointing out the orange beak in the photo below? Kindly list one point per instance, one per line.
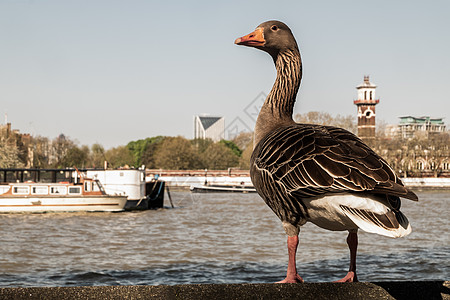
(254, 39)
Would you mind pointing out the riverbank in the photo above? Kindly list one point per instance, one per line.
(183, 179)
(360, 290)
(427, 182)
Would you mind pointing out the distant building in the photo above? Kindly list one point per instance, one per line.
(366, 109)
(7, 133)
(21, 142)
(410, 127)
(5, 130)
(209, 127)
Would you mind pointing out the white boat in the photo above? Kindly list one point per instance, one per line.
(81, 195)
(142, 192)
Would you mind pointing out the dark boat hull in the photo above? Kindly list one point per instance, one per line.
(221, 189)
(154, 191)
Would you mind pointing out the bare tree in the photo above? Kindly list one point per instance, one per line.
(323, 118)
(9, 154)
(98, 157)
(243, 139)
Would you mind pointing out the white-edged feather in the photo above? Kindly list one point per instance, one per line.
(345, 212)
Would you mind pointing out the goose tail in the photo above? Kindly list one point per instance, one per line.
(392, 223)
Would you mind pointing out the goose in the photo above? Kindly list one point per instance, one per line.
(312, 173)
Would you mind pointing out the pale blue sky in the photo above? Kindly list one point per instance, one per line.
(115, 71)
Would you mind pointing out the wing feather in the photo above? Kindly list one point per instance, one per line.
(312, 160)
(333, 169)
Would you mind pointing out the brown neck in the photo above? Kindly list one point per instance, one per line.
(278, 108)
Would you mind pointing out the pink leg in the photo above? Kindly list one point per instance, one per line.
(292, 276)
(352, 242)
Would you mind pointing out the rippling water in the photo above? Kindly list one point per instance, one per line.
(211, 238)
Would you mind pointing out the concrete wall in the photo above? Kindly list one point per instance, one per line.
(360, 290)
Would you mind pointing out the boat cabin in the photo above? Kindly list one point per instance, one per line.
(66, 189)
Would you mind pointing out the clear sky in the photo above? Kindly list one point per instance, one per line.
(115, 71)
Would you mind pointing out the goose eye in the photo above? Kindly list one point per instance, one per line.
(274, 27)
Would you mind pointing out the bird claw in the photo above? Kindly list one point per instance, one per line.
(292, 279)
(350, 277)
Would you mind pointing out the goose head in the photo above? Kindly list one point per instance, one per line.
(272, 37)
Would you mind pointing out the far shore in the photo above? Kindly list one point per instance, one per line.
(183, 179)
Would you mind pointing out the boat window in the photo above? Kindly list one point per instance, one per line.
(95, 187)
(4, 189)
(87, 187)
(74, 190)
(39, 190)
(58, 190)
(21, 190)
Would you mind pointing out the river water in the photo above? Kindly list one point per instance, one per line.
(211, 238)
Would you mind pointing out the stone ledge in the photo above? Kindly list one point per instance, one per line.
(360, 290)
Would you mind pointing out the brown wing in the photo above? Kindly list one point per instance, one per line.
(311, 160)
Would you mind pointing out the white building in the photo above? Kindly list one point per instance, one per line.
(209, 127)
(412, 126)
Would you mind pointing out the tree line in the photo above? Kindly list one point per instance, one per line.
(407, 157)
(17, 151)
